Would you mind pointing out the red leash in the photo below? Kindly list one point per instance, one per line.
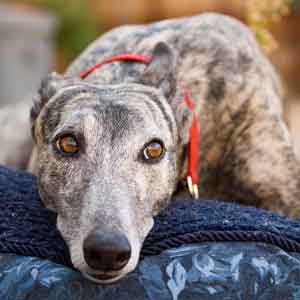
(192, 176)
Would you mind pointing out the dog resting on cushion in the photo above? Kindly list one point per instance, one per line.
(111, 149)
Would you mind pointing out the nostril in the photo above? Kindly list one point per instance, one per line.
(94, 257)
(123, 258)
(106, 251)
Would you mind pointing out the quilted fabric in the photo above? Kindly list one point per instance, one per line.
(206, 271)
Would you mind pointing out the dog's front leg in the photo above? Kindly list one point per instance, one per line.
(260, 163)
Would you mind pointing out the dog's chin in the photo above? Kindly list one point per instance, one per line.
(109, 277)
(103, 278)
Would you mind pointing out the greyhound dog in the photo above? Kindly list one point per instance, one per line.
(111, 149)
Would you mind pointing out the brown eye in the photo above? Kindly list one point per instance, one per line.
(67, 144)
(153, 150)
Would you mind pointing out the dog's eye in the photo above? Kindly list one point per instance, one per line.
(67, 144)
(153, 150)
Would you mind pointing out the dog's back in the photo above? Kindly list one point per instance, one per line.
(213, 50)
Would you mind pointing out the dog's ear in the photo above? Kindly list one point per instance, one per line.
(161, 71)
(49, 86)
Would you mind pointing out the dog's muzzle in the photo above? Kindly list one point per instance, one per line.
(106, 253)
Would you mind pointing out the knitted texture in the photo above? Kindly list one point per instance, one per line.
(27, 228)
(186, 222)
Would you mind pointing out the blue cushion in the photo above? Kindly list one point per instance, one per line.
(206, 271)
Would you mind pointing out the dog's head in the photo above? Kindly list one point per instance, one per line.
(107, 160)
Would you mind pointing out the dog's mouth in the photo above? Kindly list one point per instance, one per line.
(103, 277)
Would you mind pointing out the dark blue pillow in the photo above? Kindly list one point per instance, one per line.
(27, 228)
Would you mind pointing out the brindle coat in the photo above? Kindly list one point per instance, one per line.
(246, 153)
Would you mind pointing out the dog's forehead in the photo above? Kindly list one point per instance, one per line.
(116, 109)
(104, 92)
(105, 119)
(115, 105)
(83, 94)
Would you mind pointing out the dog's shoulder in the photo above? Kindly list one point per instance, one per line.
(211, 46)
(180, 33)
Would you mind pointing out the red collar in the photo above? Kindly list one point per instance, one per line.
(192, 176)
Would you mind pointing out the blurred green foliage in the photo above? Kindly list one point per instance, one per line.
(261, 14)
(77, 25)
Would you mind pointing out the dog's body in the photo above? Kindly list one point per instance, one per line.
(245, 150)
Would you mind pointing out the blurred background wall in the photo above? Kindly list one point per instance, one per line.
(75, 23)
(27, 39)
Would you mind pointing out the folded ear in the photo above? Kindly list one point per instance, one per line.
(161, 71)
(49, 86)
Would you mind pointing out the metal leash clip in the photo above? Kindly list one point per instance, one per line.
(193, 188)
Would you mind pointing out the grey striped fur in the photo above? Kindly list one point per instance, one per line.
(246, 153)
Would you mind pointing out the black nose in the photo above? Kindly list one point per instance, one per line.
(106, 251)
